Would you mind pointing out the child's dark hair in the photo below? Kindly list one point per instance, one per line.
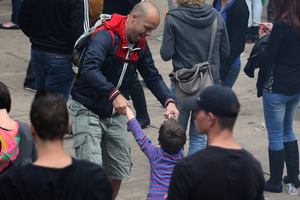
(172, 136)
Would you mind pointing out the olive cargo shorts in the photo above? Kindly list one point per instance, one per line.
(101, 139)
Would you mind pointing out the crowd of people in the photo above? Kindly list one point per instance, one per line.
(33, 163)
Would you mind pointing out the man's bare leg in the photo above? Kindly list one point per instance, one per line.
(116, 187)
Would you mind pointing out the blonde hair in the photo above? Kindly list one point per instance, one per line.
(190, 2)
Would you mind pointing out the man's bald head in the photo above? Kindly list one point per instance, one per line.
(145, 8)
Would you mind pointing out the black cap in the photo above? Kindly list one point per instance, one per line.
(216, 99)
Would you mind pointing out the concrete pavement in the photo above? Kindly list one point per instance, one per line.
(14, 58)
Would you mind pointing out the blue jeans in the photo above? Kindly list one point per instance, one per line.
(279, 111)
(232, 76)
(270, 7)
(197, 141)
(16, 6)
(30, 77)
(53, 72)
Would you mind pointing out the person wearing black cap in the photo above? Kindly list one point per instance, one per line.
(224, 170)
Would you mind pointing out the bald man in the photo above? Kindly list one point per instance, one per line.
(99, 100)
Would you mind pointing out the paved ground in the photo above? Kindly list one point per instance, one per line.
(14, 58)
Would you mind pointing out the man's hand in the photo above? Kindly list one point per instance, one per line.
(120, 104)
(171, 111)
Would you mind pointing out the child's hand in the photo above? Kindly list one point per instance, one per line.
(129, 113)
(171, 116)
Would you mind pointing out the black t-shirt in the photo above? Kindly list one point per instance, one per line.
(80, 180)
(217, 174)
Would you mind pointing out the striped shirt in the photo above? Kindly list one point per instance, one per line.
(161, 163)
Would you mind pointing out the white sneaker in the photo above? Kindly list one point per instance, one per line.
(290, 188)
(160, 37)
(30, 89)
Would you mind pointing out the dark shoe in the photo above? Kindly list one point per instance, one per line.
(273, 187)
(255, 33)
(292, 163)
(70, 133)
(16, 26)
(249, 35)
(30, 88)
(276, 163)
(144, 122)
(270, 16)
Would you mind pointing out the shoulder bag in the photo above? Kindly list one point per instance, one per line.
(191, 82)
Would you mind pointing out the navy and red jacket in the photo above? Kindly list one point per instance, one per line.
(101, 80)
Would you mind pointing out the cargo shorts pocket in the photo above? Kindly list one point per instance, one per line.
(80, 144)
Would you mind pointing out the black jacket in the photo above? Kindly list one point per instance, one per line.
(236, 24)
(122, 7)
(53, 26)
(255, 61)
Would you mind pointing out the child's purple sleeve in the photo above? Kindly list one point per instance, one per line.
(145, 144)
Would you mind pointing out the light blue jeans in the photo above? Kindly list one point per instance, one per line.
(232, 76)
(279, 111)
(53, 72)
(255, 9)
(197, 141)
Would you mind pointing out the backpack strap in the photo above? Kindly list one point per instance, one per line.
(114, 49)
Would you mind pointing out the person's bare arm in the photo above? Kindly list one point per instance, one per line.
(129, 113)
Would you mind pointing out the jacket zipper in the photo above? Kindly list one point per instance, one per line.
(125, 66)
(123, 73)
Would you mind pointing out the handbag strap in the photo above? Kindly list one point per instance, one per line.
(212, 38)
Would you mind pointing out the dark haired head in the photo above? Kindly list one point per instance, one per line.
(172, 136)
(49, 115)
(5, 100)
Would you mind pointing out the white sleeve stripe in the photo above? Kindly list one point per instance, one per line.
(86, 21)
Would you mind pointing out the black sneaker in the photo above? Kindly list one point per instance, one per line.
(271, 16)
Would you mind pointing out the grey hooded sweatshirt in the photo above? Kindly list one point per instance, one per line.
(186, 38)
